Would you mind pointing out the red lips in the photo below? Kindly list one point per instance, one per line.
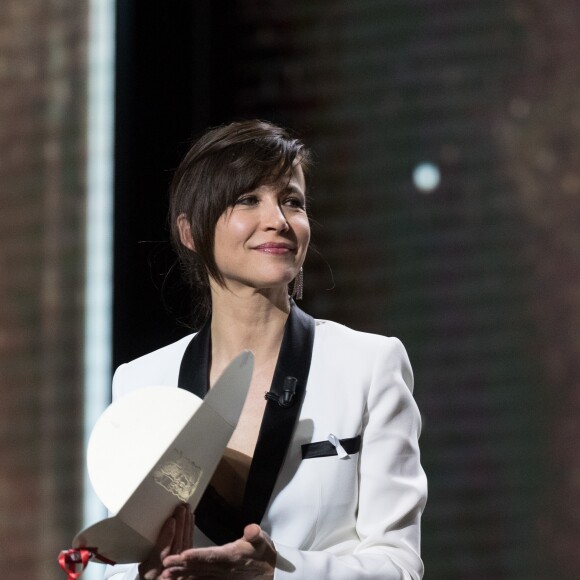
(275, 248)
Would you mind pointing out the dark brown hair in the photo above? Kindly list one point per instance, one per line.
(223, 164)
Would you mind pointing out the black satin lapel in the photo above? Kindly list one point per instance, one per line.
(194, 368)
(278, 422)
(218, 521)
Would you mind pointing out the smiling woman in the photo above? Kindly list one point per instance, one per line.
(260, 242)
(230, 169)
(321, 477)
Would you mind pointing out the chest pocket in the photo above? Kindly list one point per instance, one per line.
(331, 447)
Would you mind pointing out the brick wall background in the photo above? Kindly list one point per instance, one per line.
(42, 198)
(480, 278)
(539, 148)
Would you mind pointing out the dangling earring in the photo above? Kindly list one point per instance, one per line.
(298, 288)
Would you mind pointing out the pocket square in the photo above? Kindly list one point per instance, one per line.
(350, 445)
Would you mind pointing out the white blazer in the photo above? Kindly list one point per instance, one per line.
(332, 517)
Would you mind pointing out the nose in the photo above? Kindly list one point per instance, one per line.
(274, 217)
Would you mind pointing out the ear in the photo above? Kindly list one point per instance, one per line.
(184, 228)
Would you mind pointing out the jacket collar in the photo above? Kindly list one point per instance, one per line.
(214, 517)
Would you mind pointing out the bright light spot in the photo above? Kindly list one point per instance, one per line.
(99, 220)
(426, 177)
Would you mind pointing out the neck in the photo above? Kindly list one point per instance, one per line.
(252, 321)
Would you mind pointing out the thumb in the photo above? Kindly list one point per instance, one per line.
(165, 537)
(253, 534)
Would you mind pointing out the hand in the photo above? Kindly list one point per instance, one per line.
(175, 536)
(251, 557)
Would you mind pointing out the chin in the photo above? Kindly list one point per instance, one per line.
(267, 282)
(275, 280)
(274, 285)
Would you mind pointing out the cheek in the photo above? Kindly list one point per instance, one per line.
(302, 229)
(231, 231)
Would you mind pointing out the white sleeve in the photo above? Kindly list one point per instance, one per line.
(118, 383)
(392, 491)
(120, 571)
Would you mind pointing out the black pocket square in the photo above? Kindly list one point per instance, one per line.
(327, 449)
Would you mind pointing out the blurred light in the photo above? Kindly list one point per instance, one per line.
(519, 108)
(426, 177)
(99, 227)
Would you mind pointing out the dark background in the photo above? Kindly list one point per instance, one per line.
(480, 278)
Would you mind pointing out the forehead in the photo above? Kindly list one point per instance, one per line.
(298, 176)
(294, 180)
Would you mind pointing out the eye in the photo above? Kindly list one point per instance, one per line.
(295, 202)
(248, 200)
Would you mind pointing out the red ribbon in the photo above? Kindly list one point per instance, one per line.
(74, 562)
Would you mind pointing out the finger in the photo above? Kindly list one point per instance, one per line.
(175, 573)
(261, 543)
(253, 533)
(185, 534)
(190, 523)
(178, 531)
(196, 556)
(166, 535)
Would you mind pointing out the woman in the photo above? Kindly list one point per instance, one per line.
(321, 478)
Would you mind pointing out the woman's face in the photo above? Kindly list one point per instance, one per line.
(261, 241)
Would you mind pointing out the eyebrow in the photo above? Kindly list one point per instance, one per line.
(293, 189)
